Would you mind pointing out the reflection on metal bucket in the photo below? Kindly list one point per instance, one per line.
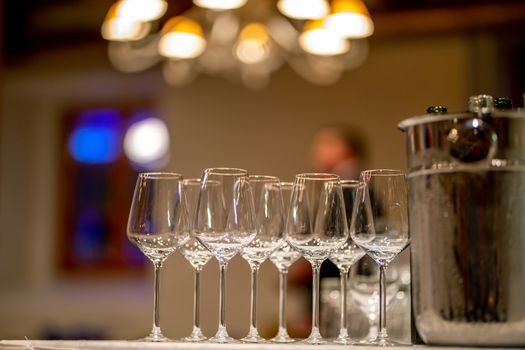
(467, 224)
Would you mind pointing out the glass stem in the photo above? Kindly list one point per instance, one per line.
(222, 296)
(253, 299)
(196, 298)
(282, 299)
(316, 268)
(344, 281)
(382, 302)
(156, 296)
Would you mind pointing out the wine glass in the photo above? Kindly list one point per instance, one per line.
(316, 226)
(380, 227)
(283, 257)
(344, 257)
(157, 225)
(268, 204)
(224, 223)
(194, 252)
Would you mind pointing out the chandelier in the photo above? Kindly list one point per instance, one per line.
(241, 40)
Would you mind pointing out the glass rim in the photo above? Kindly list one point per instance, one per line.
(318, 176)
(191, 181)
(350, 183)
(382, 172)
(160, 175)
(287, 184)
(264, 178)
(226, 171)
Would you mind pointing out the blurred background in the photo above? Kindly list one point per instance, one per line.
(81, 115)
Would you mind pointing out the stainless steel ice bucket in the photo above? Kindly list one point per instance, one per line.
(466, 182)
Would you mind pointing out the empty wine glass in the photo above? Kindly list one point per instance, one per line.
(194, 252)
(316, 226)
(224, 223)
(283, 257)
(157, 225)
(344, 257)
(380, 227)
(268, 204)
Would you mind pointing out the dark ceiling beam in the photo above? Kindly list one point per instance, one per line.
(450, 19)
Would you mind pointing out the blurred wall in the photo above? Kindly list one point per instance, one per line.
(212, 123)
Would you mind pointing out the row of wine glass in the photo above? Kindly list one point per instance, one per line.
(227, 212)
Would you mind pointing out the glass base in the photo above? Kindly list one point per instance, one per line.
(282, 337)
(344, 339)
(195, 336)
(315, 338)
(253, 337)
(155, 336)
(382, 341)
(222, 337)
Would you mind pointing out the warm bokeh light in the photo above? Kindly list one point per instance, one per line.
(303, 9)
(253, 45)
(252, 41)
(121, 29)
(319, 40)
(181, 45)
(220, 5)
(182, 38)
(141, 10)
(350, 18)
(147, 142)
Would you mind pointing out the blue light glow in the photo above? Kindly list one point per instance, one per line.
(96, 137)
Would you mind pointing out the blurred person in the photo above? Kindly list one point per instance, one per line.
(337, 148)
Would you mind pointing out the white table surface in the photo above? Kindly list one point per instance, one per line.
(123, 344)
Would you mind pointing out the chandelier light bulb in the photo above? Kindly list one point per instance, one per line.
(253, 45)
(181, 45)
(303, 9)
(118, 28)
(141, 10)
(319, 40)
(182, 38)
(350, 18)
(220, 5)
